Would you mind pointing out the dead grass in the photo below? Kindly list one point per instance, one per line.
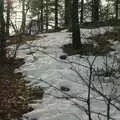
(20, 39)
(86, 49)
(103, 41)
(14, 97)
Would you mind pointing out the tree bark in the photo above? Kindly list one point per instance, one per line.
(23, 17)
(46, 15)
(41, 17)
(8, 17)
(38, 19)
(95, 11)
(116, 10)
(82, 10)
(67, 13)
(2, 30)
(56, 15)
(76, 39)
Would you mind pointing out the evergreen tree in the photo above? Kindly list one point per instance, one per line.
(95, 11)
(82, 9)
(116, 10)
(76, 39)
(47, 17)
(2, 29)
(8, 17)
(67, 13)
(23, 17)
(56, 14)
(25, 8)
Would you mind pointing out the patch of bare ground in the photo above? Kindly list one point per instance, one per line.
(20, 39)
(103, 41)
(86, 49)
(14, 95)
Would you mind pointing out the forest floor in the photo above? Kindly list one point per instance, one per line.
(13, 95)
(53, 66)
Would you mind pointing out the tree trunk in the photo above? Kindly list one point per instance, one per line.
(8, 18)
(2, 29)
(46, 15)
(56, 15)
(82, 10)
(67, 13)
(41, 17)
(95, 11)
(116, 10)
(23, 17)
(38, 19)
(107, 11)
(76, 40)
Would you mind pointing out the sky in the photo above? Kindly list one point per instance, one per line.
(103, 2)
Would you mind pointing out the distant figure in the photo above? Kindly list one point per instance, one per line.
(30, 28)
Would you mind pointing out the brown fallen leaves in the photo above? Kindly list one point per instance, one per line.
(14, 95)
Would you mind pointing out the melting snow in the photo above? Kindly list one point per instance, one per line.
(44, 63)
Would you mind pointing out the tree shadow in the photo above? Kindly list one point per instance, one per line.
(87, 50)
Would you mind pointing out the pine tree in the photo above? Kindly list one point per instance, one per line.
(8, 17)
(116, 10)
(56, 14)
(82, 9)
(67, 13)
(95, 11)
(76, 40)
(2, 29)
(25, 8)
(47, 17)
